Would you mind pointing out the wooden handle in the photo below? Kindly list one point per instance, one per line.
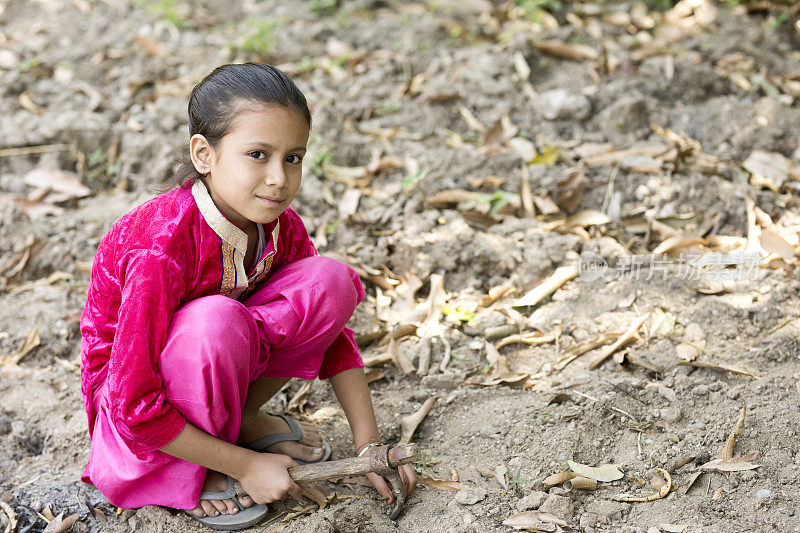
(379, 456)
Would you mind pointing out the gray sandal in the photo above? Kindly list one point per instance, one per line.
(296, 435)
(246, 517)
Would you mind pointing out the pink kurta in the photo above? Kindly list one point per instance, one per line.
(161, 346)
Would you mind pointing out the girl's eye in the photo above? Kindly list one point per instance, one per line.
(294, 159)
(256, 154)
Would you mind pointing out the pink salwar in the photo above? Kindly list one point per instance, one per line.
(216, 346)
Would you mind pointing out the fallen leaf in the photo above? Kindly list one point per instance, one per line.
(731, 465)
(770, 169)
(576, 52)
(500, 373)
(151, 46)
(534, 519)
(580, 483)
(547, 287)
(470, 119)
(605, 473)
(568, 191)
(662, 491)
(30, 342)
(557, 479)
(441, 484)
(350, 176)
(409, 424)
(57, 180)
(717, 366)
(297, 401)
(99, 515)
(624, 339)
(688, 482)
(730, 444)
(61, 525)
(26, 102)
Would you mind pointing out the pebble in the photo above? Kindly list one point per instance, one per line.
(764, 494)
(470, 495)
(672, 414)
(532, 501)
(561, 104)
(653, 529)
(560, 506)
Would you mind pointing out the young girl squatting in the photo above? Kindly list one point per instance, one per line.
(203, 302)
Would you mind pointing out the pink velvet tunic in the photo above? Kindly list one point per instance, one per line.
(171, 250)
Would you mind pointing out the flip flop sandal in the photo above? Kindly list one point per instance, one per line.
(296, 435)
(246, 517)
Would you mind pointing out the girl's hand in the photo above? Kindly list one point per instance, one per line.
(384, 488)
(267, 478)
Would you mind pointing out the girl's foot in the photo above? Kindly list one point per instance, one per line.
(217, 482)
(261, 424)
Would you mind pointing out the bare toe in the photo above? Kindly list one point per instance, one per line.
(197, 512)
(311, 436)
(208, 508)
(231, 507)
(298, 451)
(246, 501)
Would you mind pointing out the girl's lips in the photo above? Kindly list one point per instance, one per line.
(270, 201)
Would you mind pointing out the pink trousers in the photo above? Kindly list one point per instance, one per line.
(216, 347)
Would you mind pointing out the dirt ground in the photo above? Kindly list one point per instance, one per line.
(462, 152)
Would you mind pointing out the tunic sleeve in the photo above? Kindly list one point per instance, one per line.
(343, 353)
(152, 285)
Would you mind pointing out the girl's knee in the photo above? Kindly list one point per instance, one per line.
(213, 327)
(338, 282)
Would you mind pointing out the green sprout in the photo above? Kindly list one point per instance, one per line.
(261, 38)
(424, 464)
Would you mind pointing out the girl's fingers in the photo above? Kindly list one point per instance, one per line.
(409, 477)
(382, 487)
(295, 491)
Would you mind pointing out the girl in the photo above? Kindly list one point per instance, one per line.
(203, 303)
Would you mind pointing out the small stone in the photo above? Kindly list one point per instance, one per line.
(5, 424)
(561, 104)
(764, 494)
(468, 518)
(446, 381)
(653, 529)
(672, 414)
(532, 501)
(559, 506)
(470, 495)
(588, 520)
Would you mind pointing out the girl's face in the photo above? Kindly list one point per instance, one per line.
(255, 170)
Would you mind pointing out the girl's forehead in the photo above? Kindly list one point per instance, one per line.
(270, 120)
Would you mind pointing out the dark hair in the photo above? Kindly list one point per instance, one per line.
(217, 99)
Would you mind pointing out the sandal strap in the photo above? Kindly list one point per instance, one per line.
(227, 494)
(296, 435)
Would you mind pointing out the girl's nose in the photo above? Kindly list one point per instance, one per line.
(276, 176)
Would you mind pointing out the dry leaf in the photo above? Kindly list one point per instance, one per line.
(441, 484)
(500, 373)
(568, 191)
(534, 519)
(662, 492)
(99, 515)
(409, 424)
(350, 176)
(580, 483)
(718, 366)
(605, 473)
(297, 401)
(557, 479)
(736, 464)
(624, 339)
(30, 342)
(553, 282)
(26, 102)
(576, 52)
(470, 119)
(770, 169)
(57, 180)
(151, 46)
(727, 449)
(61, 525)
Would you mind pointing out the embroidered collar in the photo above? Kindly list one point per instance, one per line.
(235, 277)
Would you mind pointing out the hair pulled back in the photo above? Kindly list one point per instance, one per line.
(216, 100)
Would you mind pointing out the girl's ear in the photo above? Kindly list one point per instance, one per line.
(201, 152)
